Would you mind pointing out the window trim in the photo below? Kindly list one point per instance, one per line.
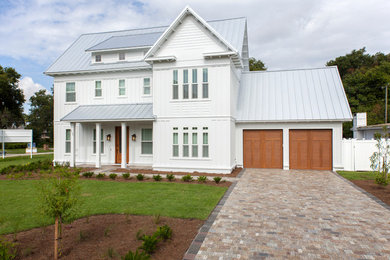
(205, 144)
(205, 83)
(194, 85)
(96, 88)
(147, 86)
(70, 92)
(175, 144)
(98, 60)
(175, 85)
(124, 87)
(124, 56)
(146, 141)
(68, 141)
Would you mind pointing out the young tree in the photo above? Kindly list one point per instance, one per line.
(59, 195)
(41, 117)
(380, 159)
(255, 65)
(11, 98)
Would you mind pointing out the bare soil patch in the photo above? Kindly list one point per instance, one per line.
(91, 238)
(234, 173)
(379, 191)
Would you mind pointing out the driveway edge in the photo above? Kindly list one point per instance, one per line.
(363, 191)
(193, 250)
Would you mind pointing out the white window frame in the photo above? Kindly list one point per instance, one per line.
(194, 143)
(186, 85)
(205, 145)
(97, 89)
(122, 56)
(98, 58)
(101, 141)
(175, 144)
(122, 88)
(68, 141)
(205, 83)
(186, 143)
(175, 84)
(70, 92)
(194, 86)
(147, 86)
(146, 141)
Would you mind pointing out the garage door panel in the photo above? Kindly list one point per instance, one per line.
(263, 149)
(311, 149)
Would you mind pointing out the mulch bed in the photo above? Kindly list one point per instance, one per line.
(234, 173)
(379, 191)
(91, 238)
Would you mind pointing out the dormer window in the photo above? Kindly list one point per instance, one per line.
(122, 56)
(98, 58)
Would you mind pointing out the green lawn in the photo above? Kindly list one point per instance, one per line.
(350, 175)
(20, 207)
(23, 151)
(23, 159)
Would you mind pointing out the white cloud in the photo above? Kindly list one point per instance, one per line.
(29, 87)
(283, 33)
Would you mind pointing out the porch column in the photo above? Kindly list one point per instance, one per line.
(98, 144)
(124, 144)
(72, 144)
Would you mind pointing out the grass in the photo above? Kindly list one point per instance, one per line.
(20, 206)
(23, 159)
(351, 175)
(23, 151)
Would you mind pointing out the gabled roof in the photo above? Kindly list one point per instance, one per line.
(292, 95)
(117, 112)
(127, 42)
(76, 60)
(186, 11)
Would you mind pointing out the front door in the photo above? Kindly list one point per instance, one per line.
(118, 144)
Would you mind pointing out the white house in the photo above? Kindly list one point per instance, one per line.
(363, 131)
(181, 97)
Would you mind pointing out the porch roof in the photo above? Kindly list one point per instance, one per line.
(114, 112)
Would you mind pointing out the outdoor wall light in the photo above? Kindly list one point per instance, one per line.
(108, 137)
(133, 137)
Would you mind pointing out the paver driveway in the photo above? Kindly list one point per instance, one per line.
(297, 214)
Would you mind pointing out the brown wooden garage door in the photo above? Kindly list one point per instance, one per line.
(311, 149)
(263, 149)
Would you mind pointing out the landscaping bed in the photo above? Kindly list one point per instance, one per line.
(107, 237)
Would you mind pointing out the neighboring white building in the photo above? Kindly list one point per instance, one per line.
(182, 98)
(363, 131)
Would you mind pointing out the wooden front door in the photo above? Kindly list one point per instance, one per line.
(263, 149)
(311, 149)
(118, 144)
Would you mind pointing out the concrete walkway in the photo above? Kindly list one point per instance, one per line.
(297, 214)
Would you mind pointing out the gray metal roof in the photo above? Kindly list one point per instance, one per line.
(127, 41)
(75, 59)
(117, 112)
(307, 94)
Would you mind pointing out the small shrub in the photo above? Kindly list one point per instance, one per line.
(88, 174)
(157, 177)
(7, 250)
(381, 179)
(170, 177)
(149, 243)
(164, 232)
(140, 177)
(157, 218)
(136, 256)
(112, 176)
(217, 179)
(187, 178)
(126, 176)
(100, 176)
(202, 179)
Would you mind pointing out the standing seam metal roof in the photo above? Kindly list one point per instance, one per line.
(292, 95)
(76, 59)
(116, 112)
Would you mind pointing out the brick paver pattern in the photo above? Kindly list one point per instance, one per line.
(297, 214)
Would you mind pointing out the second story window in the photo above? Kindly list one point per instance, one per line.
(194, 83)
(175, 85)
(98, 58)
(146, 86)
(122, 87)
(98, 88)
(122, 56)
(205, 83)
(70, 92)
(185, 84)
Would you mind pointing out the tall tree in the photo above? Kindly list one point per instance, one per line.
(40, 118)
(364, 77)
(255, 65)
(11, 98)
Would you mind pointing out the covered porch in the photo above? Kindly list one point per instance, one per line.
(111, 135)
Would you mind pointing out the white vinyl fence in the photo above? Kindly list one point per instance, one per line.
(357, 153)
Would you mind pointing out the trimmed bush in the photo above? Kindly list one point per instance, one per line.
(140, 177)
(88, 174)
(217, 179)
(170, 177)
(149, 243)
(126, 176)
(157, 177)
(202, 179)
(112, 176)
(187, 178)
(100, 176)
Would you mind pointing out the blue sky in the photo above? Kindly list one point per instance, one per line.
(282, 33)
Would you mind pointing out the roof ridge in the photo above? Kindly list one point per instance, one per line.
(226, 19)
(283, 70)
